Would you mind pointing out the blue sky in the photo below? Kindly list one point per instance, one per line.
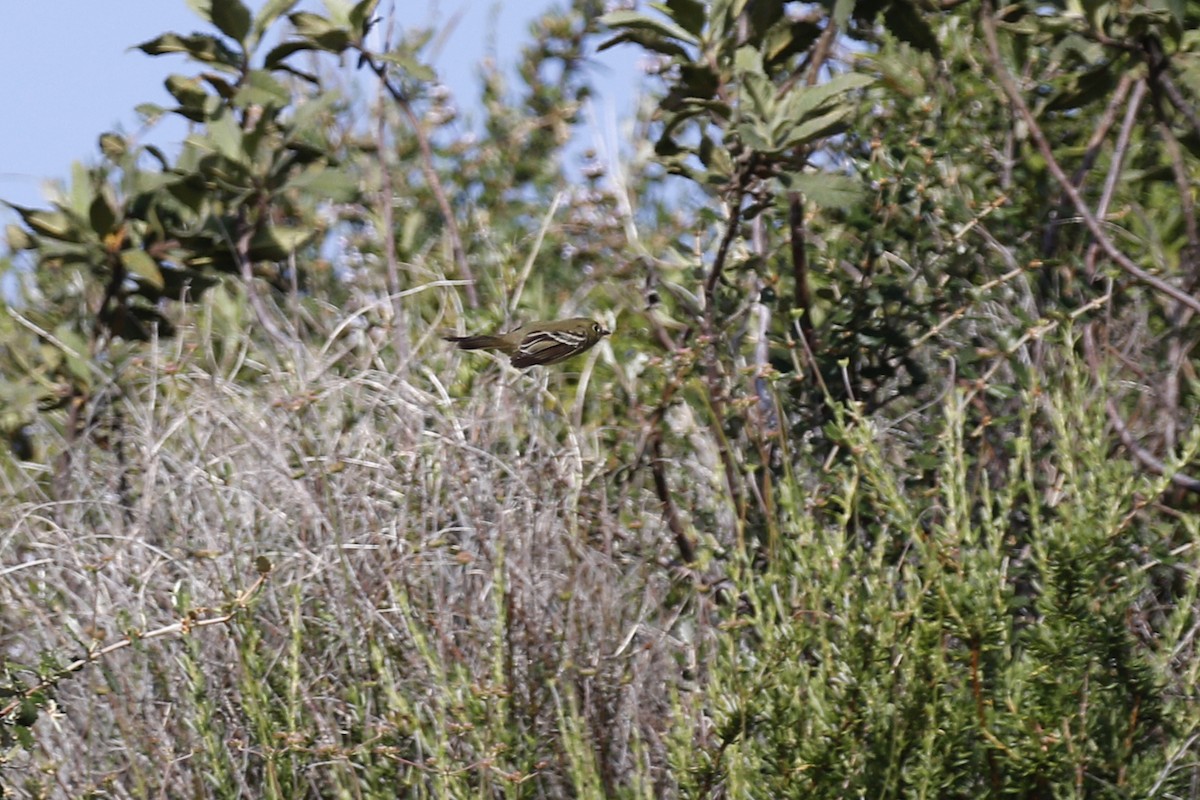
(70, 75)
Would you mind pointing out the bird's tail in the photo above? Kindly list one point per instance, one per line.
(484, 342)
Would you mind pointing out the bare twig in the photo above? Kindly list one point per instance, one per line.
(801, 298)
(1177, 351)
(712, 374)
(388, 213)
(1117, 163)
(1160, 77)
(714, 275)
(515, 301)
(1148, 460)
(241, 252)
(183, 627)
(1050, 238)
(821, 51)
(1093, 225)
(1183, 183)
(431, 176)
(683, 540)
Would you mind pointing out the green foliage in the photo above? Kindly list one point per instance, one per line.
(972, 640)
(878, 489)
(734, 109)
(445, 619)
(126, 239)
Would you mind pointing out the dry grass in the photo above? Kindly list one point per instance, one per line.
(461, 600)
(474, 593)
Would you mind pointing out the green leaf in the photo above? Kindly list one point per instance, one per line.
(113, 146)
(328, 184)
(54, 224)
(690, 14)
(149, 113)
(206, 49)
(28, 713)
(761, 94)
(262, 89)
(18, 238)
(402, 57)
(177, 282)
(277, 242)
(158, 156)
(138, 262)
(271, 11)
(819, 127)
(320, 31)
(634, 20)
(190, 93)
(720, 19)
(823, 188)
(754, 138)
(648, 41)
(55, 251)
(222, 87)
(787, 39)
(231, 18)
(82, 190)
(697, 82)
(74, 348)
(1081, 89)
(201, 8)
(102, 215)
(842, 9)
(279, 54)
(801, 101)
(908, 24)
(191, 190)
(748, 59)
(361, 14)
(226, 138)
(1178, 24)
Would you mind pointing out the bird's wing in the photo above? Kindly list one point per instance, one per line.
(547, 347)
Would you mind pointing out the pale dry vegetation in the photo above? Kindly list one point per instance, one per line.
(884, 485)
(459, 571)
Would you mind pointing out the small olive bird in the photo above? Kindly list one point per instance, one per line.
(538, 342)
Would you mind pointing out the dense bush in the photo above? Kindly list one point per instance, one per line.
(882, 486)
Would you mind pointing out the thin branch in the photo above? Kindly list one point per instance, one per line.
(801, 297)
(1177, 351)
(1121, 148)
(387, 211)
(714, 276)
(1148, 460)
(515, 301)
(183, 627)
(1183, 183)
(1116, 165)
(821, 51)
(241, 251)
(1107, 119)
(1160, 77)
(431, 176)
(1093, 225)
(683, 541)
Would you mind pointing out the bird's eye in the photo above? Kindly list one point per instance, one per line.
(596, 327)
